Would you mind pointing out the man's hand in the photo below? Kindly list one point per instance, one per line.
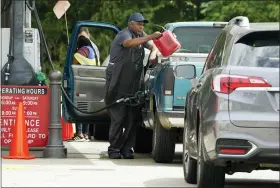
(153, 61)
(153, 55)
(156, 35)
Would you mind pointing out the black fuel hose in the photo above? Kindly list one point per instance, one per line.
(5, 6)
(138, 97)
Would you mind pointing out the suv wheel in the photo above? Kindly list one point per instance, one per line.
(208, 174)
(189, 164)
(163, 143)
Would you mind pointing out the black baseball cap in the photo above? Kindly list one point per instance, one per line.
(137, 17)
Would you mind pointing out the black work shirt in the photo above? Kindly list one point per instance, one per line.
(117, 50)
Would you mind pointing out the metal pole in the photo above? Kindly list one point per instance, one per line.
(55, 147)
(27, 17)
(19, 20)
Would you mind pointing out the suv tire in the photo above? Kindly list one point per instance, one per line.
(163, 143)
(208, 174)
(189, 164)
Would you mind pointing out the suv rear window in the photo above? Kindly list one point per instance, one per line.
(257, 49)
(196, 39)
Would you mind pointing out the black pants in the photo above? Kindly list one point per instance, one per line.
(122, 117)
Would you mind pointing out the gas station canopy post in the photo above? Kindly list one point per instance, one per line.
(55, 147)
(18, 23)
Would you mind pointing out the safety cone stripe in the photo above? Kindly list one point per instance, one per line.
(67, 128)
(19, 146)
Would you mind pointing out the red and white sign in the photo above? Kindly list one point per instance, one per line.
(36, 103)
(60, 8)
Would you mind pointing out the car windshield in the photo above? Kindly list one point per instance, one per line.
(256, 50)
(196, 39)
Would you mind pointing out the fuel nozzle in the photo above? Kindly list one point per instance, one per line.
(140, 95)
(139, 98)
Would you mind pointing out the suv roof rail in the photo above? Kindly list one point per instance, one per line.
(241, 21)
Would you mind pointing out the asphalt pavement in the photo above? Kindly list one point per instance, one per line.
(87, 165)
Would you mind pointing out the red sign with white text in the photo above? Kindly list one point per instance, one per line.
(36, 103)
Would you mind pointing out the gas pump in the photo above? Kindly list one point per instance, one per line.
(20, 70)
(20, 46)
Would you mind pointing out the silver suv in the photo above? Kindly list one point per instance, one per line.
(232, 110)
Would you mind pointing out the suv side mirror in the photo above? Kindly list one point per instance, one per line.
(186, 71)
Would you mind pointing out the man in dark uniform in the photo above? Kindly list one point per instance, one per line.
(123, 76)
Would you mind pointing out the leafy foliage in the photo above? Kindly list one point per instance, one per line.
(159, 12)
(256, 11)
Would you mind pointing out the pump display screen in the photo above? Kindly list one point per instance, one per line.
(196, 39)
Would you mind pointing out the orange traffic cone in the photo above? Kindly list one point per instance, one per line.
(67, 130)
(19, 146)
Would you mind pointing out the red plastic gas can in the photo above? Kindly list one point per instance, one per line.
(167, 44)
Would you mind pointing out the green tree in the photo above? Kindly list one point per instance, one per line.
(158, 12)
(256, 11)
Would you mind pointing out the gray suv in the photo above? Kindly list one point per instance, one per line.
(232, 110)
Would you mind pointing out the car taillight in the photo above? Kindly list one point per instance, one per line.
(233, 151)
(228, 83)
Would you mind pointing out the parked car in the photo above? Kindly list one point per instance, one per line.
(85, 85)
(232, 110)
(163, 114)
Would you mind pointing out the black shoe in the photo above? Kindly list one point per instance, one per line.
(128, 155)
(115, 156)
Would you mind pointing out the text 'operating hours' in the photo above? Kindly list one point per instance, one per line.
(36, 103)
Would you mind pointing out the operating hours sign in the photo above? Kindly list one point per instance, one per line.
(36, 103)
